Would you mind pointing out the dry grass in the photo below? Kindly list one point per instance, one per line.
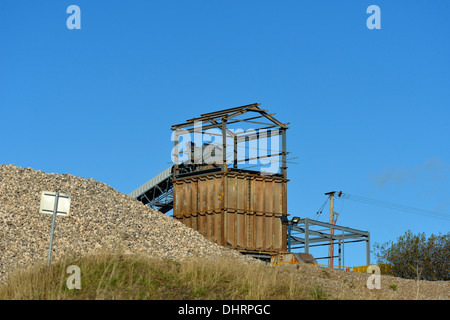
(134, 277)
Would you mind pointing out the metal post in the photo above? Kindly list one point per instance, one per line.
(368, 250)
(55, 210)
(235, 152)
(339, 254)
(176, 155)
(343, 255)
(289, 236)
(306, 236)
(330, 248)
(224, 145)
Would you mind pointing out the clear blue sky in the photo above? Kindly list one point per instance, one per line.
(368, 109)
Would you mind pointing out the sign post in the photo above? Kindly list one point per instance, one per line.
(57, 204)
(55, 211)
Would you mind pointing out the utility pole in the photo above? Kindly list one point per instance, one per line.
(330, 248)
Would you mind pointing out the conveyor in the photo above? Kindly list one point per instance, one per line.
(157, 192)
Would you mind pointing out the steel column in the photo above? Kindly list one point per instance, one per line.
(306, 237)
(224, 145)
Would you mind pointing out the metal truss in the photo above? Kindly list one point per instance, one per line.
(312, 233)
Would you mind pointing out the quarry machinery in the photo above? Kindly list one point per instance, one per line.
(211, 188)
(228, 181)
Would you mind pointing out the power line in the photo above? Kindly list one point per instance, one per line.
(319, 212)
(399, 207)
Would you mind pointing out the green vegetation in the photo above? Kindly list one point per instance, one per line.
(413, 256)
(318, 293)
(136, 277)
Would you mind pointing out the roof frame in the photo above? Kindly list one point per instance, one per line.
(216, 118)
(221, 119)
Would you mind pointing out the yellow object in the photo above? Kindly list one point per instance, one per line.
(384, 268)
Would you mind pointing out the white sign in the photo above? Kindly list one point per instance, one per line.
(48, 203)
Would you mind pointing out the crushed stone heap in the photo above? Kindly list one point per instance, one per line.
(101, 218)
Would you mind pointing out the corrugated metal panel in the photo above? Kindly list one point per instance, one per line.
(236, 210)
(152, 183)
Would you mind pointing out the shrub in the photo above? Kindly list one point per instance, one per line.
(413, 256)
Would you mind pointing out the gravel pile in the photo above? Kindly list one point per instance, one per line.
(101, 218)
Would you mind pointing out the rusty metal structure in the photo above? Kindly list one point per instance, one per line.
(221, 198)
(230, 185)
(228, 181)
(239, 210)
